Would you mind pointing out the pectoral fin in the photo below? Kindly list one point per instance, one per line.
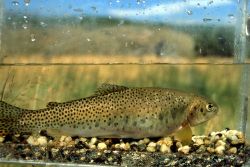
(184, 135)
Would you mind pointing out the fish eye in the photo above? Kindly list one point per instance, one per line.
(210, 107)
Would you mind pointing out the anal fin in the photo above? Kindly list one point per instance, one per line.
(184, 135)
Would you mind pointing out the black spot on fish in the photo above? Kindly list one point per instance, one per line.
(173, 113)
(161, 116)
(166, 120)
(96, 124)
(134, 123)
(143, 121)
(126, 119)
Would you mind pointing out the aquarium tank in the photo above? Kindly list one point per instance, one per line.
(55, 52)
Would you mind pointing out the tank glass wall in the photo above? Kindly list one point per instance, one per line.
(62, 50)
(60, 31)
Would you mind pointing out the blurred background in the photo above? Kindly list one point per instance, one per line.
(131, 31)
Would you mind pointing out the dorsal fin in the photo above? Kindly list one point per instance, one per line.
(52, 104)
(105, 89)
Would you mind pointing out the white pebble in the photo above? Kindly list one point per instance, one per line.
(152, 144)
(117, 146)
(32, 141)
(166, 140)
(93, 141)
(220, 150)
(1, 139)
(54, 150)
(184, 149)
(146, 140)
(151, 149)
(233, 150)
(42, 140)
(220, 143)
(83, 139)
(210, 150)
(165, 149)
(124, 146)
(240, 135)
(198, 142)
(92, 147)
(62, 139)
(102, 146)
(68, 139)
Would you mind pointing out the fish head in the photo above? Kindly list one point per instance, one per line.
(201, 110)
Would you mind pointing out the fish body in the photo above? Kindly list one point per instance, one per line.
(113, 111)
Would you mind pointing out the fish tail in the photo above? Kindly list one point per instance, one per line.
(9, 116)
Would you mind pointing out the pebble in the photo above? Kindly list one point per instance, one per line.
(42, 140)
(151, 149)
(210, 150)
(83, 139)
(198, 140)
(102, 146)
(220, 150)
(68, 139)
(1, 139)
(93, 141)
(207, 142)
(32, 141)
(166, 140)
(184, 149)
(62, 138)
(124, 146)
(146, 140)
(165, 149)
(152, 144)
(92, 147)
(232, 150)
(220, 143)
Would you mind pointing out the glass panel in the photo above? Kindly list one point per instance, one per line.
(59, 50)
(141, 31)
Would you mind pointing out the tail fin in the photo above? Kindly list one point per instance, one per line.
(8, 117)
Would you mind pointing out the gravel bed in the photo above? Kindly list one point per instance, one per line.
(224, 148)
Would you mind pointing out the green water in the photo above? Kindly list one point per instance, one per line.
(34, 86)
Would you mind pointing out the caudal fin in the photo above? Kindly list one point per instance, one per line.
(9, 115)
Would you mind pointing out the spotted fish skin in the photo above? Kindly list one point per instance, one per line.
(113, 111)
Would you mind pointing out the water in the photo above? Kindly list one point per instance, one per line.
(33, 86)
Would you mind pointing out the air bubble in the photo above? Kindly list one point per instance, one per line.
(207, 19)
(210, 2)
(32, 38)
(88, 39)
(27, 2)
(25, 26)
(43, 24)
(78, 10)
(15, 3)
(189, 12)
(231, 16)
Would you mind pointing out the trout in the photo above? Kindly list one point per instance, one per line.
(113, 111)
